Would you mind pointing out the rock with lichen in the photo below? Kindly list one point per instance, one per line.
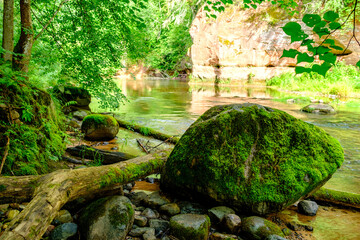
(251, 158)
(99, 127)
(107, 218)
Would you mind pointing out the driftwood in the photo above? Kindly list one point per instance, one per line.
(105, 157)
(50, 192)
(147, 131)
(72, 160)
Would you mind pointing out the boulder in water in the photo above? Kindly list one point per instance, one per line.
(99, 127)
(251, 158)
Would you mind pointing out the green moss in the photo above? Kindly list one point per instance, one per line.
(194, 232)
(2, 188)
(276, 148)
(36, 138)
(100, 119)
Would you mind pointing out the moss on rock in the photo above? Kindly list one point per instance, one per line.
(100, 127)
(252, 158)
(190, 226)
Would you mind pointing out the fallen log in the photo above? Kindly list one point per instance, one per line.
(147, 131)
(105, 157)
(53, 190)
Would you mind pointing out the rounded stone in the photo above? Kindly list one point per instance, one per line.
(217, 214)
(149, 213)
(190, 226)
(307, 207)
(98, 127)
(11, 214)
(251, 158)
(63, 231)
(222, 236)
(64, 216)
(258, 228)
(140, 221)
(170, 209)
(232, 223)
(319, 109)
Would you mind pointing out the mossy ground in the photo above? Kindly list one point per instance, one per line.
(100, 120)
(36, 138)
(211, 156)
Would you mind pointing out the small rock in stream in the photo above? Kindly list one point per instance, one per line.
(308, 208)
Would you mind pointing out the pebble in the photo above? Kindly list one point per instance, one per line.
(170, 209)
(149, 213)
(140, 221)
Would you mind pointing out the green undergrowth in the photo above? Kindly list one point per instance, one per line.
(342, 80)
(34, 128)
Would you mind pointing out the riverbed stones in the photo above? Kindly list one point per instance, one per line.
(190, 226)
(307, 207)
(319, 109)
(217, 214)
(231, 223)
(251, 158)
(159, 225)
(155, 200)
(170, 209)
(97, 127)
(64, 216)
(140, 221)
(222, 236)
(149, 213)
(107, 218)
(258, 228)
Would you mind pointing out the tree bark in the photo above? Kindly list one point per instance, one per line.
(24, 45)
(8, 29)
(53, 190)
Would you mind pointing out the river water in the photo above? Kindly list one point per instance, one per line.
(171, 106)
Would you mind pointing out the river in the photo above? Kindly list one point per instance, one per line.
(172, 106)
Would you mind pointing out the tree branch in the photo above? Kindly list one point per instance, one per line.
(6, 152)
(50, 20)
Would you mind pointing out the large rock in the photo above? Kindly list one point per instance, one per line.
(107, 218)
(99, 127)
(251, 158)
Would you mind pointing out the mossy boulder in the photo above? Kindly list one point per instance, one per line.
(190, 226)
(251, 158)
(107, 218)
(99, 127)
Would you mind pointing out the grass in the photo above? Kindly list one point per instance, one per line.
(342, 80)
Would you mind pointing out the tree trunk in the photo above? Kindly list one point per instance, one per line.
(53, 190)
(8, 29)
(24, 45)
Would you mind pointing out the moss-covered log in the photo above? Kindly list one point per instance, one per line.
(147, 131)
(337, 197)
(105, 157)
(53, 190)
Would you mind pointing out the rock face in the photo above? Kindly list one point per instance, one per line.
(319, 109)
(99, 127)
(107, 218)
(251, 158)
(247, 42)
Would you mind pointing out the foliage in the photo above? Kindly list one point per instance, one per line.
(36, 138)
(343, 81)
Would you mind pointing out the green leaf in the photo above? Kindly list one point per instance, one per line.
(304, 57)
(321, 31)
(254, 6)
(311, 19)
(299, 70)
(291, 28)
(328, 57)
(334, 25)
(291, 53)
(321, 69)
(337, 47)
(206, 8)
(321, 24)
(331, 16)
(213, 16)
(358, 64)
(322, 50)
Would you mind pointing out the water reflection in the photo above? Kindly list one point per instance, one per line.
(172, 106)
